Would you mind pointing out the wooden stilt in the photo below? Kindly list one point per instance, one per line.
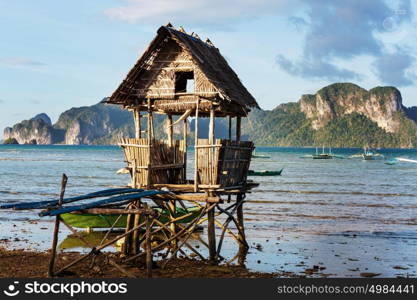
(173, 227)
(136, 237)
(239, 212)
(211, 234)
(128, 242)
(148, 247)
(56, 228)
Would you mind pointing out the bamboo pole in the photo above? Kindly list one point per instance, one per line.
(136, 118)
(196, 145)
(170, 130)
(56, 228)
(238, 128)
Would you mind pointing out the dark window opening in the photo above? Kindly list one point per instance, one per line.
(184, 82)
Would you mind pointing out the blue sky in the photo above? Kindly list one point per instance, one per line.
(55, 55)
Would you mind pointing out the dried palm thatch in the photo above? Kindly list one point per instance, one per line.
(173, 57)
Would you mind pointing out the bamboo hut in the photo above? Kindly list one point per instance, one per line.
(181, 76)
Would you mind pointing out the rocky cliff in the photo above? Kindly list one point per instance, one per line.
(339, 115)
(382, 105)
(33, 131)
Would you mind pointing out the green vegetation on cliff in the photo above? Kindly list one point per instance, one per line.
(339, 115)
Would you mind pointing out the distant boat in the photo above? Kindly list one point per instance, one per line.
(264, 173)
(369, 155)
(323, 155)
(254, 155)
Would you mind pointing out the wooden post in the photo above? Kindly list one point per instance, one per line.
(211, 127)
(230, 128)
(238, 128)
(171, 173)
(184, 136)
(239, 212)
(136, 233)
(150, 137)
(128, 240)
(56, 228)
(173, 227)
(211, 234)
(196, 144)
(211, 149)
(148, 246)
(136, 118)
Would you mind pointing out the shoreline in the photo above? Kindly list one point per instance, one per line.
(33, 264)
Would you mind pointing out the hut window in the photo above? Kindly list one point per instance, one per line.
(184, 82)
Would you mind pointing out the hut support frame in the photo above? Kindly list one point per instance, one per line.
(140, 232)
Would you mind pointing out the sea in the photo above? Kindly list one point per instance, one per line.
(340, 217)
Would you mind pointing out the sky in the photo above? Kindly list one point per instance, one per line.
(55, 55)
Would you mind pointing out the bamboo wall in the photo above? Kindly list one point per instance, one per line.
(226, 163)
(155, 163)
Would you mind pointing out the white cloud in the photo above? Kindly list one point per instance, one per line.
(201, 12)
(20, 61)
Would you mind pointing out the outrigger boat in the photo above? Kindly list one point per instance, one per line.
(89, 221)
(369, 155)
(76, 217)
(264, 173)
(323, 155)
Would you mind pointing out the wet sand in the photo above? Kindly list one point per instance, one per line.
(279, 254)
(20, 263)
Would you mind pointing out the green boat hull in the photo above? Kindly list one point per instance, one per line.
(322, 156)
(106, 221)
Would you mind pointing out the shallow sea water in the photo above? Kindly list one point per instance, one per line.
(347, 215)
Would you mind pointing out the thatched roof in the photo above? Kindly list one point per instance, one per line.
(204, 55)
